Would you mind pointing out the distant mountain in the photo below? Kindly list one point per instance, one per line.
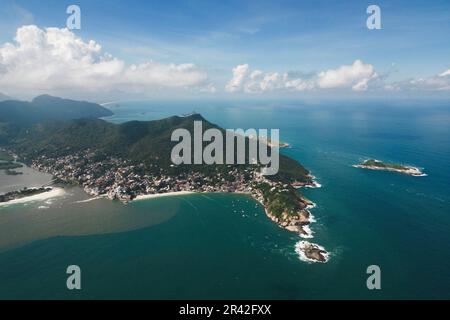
(45, 108)
(146, 142)
(4, 97)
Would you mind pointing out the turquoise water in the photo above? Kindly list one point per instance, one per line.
(222, 246)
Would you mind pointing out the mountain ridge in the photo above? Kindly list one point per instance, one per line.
(46, 107)
(140, 141)
(4, 97)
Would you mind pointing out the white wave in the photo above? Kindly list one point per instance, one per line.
(311, 206)
(308, 231)
(311, 218)
(90, 199)
(314, 185)
(421, 175)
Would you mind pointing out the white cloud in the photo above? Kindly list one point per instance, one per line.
(440, 82)
(445, 73)
(256, 81)
(356, 77)
(166, 75)
(299, 84)
(259, 81)
(271, 81)
(210, 88)
(53, 58)
(240, 72)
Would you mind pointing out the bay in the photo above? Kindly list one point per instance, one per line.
(223, 246)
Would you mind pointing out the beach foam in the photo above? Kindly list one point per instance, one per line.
(300, 250)
(311, 206)
(314, 185)
(311, 219)
(421, 175)
(309, 232)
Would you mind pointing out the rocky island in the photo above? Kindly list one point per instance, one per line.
(373, 164)
(312, 251)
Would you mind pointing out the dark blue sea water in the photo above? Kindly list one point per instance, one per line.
(222, 246)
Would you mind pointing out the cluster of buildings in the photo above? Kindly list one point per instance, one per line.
(121, 179)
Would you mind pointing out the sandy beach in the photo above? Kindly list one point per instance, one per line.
(92, 199)
(55, 192)
(159, 195)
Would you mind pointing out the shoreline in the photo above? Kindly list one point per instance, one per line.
(298, 221)
(55, 192)
(307, 251)
(301, 225)
(314, 184)
(311, 252)
(411, 171)
(91, 199)
(378, 165)
(160, 195)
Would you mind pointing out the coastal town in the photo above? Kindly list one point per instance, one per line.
(119, 179)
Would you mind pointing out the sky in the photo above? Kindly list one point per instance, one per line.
(220, 49)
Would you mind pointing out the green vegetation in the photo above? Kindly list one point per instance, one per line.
(379, 164)
(280, 201)
(53, 128)
(45, 108)
(147, 142)
(57, 127)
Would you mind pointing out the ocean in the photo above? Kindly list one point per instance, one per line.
(222, 246)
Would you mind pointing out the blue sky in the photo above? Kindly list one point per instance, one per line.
(299, 38)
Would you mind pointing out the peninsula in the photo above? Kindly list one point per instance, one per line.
(131, 160)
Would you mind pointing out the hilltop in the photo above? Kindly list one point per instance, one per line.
(45, 107)
(16, 115)
(145, 142)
